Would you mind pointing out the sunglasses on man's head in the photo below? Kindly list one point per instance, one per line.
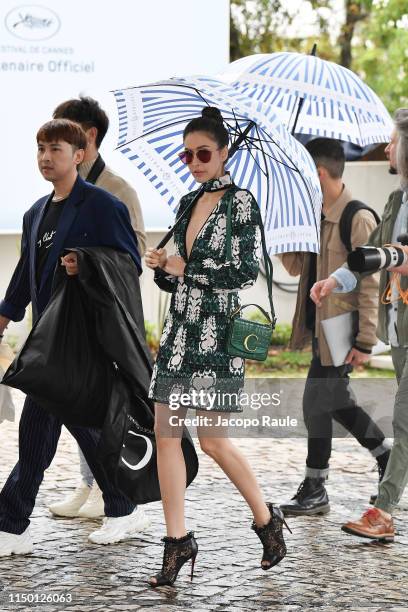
(203, 155)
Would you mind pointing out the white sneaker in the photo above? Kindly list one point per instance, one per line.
(94, 505)
(71, 505)
(12, 544)
(116, 529)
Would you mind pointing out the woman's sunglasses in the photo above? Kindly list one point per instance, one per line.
(203, 155)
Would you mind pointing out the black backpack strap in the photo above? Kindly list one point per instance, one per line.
(346, 220)
(96, 170)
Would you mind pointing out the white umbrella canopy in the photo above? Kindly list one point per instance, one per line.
(269, 161)
(333, 101)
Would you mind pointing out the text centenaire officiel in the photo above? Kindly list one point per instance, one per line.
(50, 66)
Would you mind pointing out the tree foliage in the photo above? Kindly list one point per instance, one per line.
(382, 57)
(260, 26)
(356, 12)
(373, 39)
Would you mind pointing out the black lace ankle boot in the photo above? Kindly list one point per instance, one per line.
(271, 536)
(177, 551)
(382, 461)
(310, 498)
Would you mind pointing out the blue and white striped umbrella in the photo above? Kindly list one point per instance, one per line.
(270, 163)
(336, 102)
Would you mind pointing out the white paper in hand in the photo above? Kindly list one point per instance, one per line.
(339, 334)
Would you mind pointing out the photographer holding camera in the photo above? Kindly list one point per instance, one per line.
(377, 523)
(346, 223)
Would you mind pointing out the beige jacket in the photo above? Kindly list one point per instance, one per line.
(332, 255)
(117, 186)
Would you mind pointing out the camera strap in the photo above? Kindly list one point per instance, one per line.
(387, 296)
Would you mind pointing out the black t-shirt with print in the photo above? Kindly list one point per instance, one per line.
(46, 234)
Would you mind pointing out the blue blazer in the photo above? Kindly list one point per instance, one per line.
(91, 217)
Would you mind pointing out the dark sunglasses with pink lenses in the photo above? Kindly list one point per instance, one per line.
(203, 155)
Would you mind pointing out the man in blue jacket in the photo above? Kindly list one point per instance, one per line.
(76, 214)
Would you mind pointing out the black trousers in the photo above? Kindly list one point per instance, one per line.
(328, 396)
(39, 433)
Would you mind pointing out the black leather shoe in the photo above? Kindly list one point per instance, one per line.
(311, 498)
(382, 461)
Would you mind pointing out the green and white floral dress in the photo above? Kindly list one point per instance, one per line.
(192, 354)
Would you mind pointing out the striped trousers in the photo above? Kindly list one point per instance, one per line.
(39, 433)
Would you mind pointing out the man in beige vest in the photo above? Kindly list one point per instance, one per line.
(86, 501)
(327, 394)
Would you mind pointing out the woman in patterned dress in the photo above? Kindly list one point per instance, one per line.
(192, 355)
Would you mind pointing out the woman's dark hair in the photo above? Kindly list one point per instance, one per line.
(211, 121)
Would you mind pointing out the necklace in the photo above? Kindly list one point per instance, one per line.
(59, 198)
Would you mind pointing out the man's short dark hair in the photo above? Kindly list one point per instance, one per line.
(87, 112)
(328, 153)
(62, 129)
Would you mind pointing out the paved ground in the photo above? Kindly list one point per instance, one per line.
(324, 568)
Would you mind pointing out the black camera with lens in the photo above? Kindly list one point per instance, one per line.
(371, 259)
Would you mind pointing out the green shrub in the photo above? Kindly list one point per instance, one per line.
(13, 342)
(152, 338)
(288, 359)
(282, 332)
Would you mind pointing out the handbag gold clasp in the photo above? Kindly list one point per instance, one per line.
(246, 343)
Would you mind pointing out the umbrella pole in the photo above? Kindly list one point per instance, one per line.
(184, 214)
(299, 108)
(235, 145)
(313, 52)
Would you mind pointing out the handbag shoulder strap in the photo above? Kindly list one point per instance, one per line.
(267, 259)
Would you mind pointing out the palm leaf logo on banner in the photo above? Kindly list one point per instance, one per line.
(266, 159)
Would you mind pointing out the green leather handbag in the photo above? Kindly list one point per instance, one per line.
(245, 338)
